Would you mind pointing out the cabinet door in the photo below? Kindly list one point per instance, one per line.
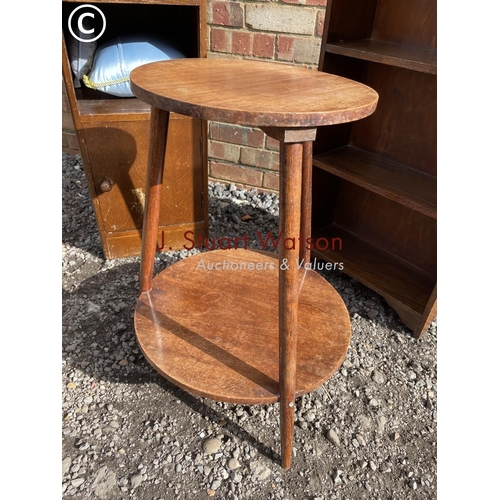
(118, 152)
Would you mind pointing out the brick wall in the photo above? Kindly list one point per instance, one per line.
(287, 31)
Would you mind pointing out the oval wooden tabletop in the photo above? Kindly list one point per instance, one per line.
(214, 332)
(253, 93)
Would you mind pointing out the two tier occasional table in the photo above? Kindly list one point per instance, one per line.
(238, 325)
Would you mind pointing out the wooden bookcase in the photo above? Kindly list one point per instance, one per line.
(374, 181)
(113, 134)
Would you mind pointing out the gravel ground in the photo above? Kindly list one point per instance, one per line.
(368, 433)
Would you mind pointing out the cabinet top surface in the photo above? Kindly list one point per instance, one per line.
(252, 93)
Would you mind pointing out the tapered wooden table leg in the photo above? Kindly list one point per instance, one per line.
(154, 178)
(295, 189)
(290, 194)
(305, 221)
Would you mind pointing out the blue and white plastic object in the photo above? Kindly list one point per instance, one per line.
(115, 59)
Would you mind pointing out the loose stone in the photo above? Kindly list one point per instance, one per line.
(333, 437)
(136, 480)
(212, 446)
(233, 464)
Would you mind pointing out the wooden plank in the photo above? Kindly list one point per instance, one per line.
(381, 271)
(121, 244)
(306, 199)
(253, 93)
(290, 219)
(214, 331)
(154, 180)
(392, 54)
(106, 106)
(392, 180)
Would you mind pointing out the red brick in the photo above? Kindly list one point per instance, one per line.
(271, 181)
(320, 23)
(64, 141)
(223, 151)
(227, 14)
(263, 46)
(237, 135)
(272, 144)
(254, 138)
(226, 133)
(220, 13)
(260, 158)
(285, 48)
(241, 43)
(220, 40)
(234, 173)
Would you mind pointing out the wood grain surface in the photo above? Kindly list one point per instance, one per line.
(154, 180)
(253, 93)
(215, 332)
(289, 286)
(392, 180)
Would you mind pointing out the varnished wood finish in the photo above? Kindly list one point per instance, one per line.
(390, 32)
(306, 201)
(393, 54)
(417, 322)
(380, 196)
(404, 128)
(232, 91)
(126, 243)
(379, 269)
(215, 333)
(409, 187)
(306, 136)
(288, 135)
(428, 315)
(349, 19)
(290, 215)
(250, 361)
(122, 208)
(70, 91)
(94, 110)
(154, 179)
(411, 23)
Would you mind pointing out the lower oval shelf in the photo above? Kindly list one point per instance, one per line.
(210, 326)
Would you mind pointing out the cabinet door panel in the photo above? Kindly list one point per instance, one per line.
(118, 156)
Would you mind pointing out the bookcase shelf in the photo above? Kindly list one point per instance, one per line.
(392, 54)
(374, 181)
(392, 180)
(386, 274)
